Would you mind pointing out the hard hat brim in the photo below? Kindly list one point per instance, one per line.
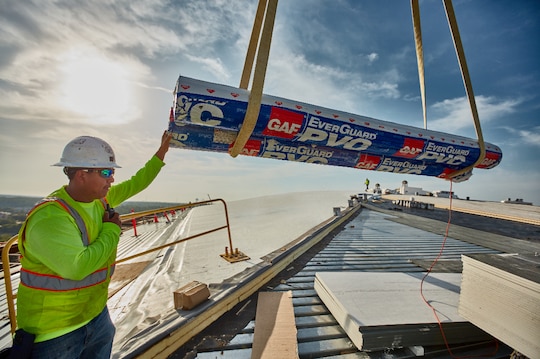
(98, 165)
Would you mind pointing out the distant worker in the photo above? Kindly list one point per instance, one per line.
(367, 183)
(68, 245)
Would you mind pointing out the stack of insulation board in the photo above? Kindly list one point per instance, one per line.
(208, 116)
(500, 293)
(381, 311)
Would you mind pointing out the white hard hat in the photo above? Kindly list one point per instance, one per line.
(87, 152)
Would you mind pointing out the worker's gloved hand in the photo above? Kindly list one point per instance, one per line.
(114, 218)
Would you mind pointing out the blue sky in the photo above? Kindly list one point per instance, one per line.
(108, 69)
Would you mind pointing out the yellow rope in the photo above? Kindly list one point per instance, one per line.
(253, 42)
(266, 11)
(415, 9)
(468, 86)
(255, 96)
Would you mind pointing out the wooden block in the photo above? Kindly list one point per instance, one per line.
(275, 327)
(191, 295)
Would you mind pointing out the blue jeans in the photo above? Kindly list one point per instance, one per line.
(93, 341)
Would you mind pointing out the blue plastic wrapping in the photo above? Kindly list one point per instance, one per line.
(208, 116)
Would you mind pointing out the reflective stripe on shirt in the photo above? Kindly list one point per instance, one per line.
(56, 283)
(78, 220)
(76, 216)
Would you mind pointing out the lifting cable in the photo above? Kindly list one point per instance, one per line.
(260, 42)
(415, 10)
(266, 10)
(468, 85)
(428, 303)
(452, 23)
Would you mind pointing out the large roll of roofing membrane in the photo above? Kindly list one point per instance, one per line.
(208, 116)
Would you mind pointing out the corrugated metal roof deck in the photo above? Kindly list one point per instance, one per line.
(369, 242)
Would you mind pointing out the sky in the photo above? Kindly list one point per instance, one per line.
(108, 69)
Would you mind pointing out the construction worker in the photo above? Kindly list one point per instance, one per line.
(367, 184)
(68, 245)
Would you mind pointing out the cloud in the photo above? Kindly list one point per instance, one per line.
(372, 57)
(340, 55)
(77, 84)
(125, 35)
(455, 114)
(293, 76)
(213, 65)
(88, 42)
(530, 137)
(112, 26)
(381, 89)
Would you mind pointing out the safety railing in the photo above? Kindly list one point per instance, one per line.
(231, 254)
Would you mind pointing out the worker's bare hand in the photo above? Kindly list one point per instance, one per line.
(114, 219)
(164, 147)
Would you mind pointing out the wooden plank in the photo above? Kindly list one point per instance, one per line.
(275, 328)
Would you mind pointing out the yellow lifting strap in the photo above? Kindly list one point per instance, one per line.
(452, 23)
(468, 85)
(266, 11)
(415, 9)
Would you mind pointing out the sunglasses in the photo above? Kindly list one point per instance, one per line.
(105, 173)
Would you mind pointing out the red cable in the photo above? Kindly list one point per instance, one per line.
(426, 301)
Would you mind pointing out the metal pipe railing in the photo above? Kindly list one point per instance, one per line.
(129, 216)
(7, 268)
(7, 279)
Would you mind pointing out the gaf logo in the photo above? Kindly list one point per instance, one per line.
(368, 162)
(411, 148)
(251, 148)
(283, 123)
(491, 160)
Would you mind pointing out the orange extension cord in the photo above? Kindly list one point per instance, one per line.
(433, 308)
